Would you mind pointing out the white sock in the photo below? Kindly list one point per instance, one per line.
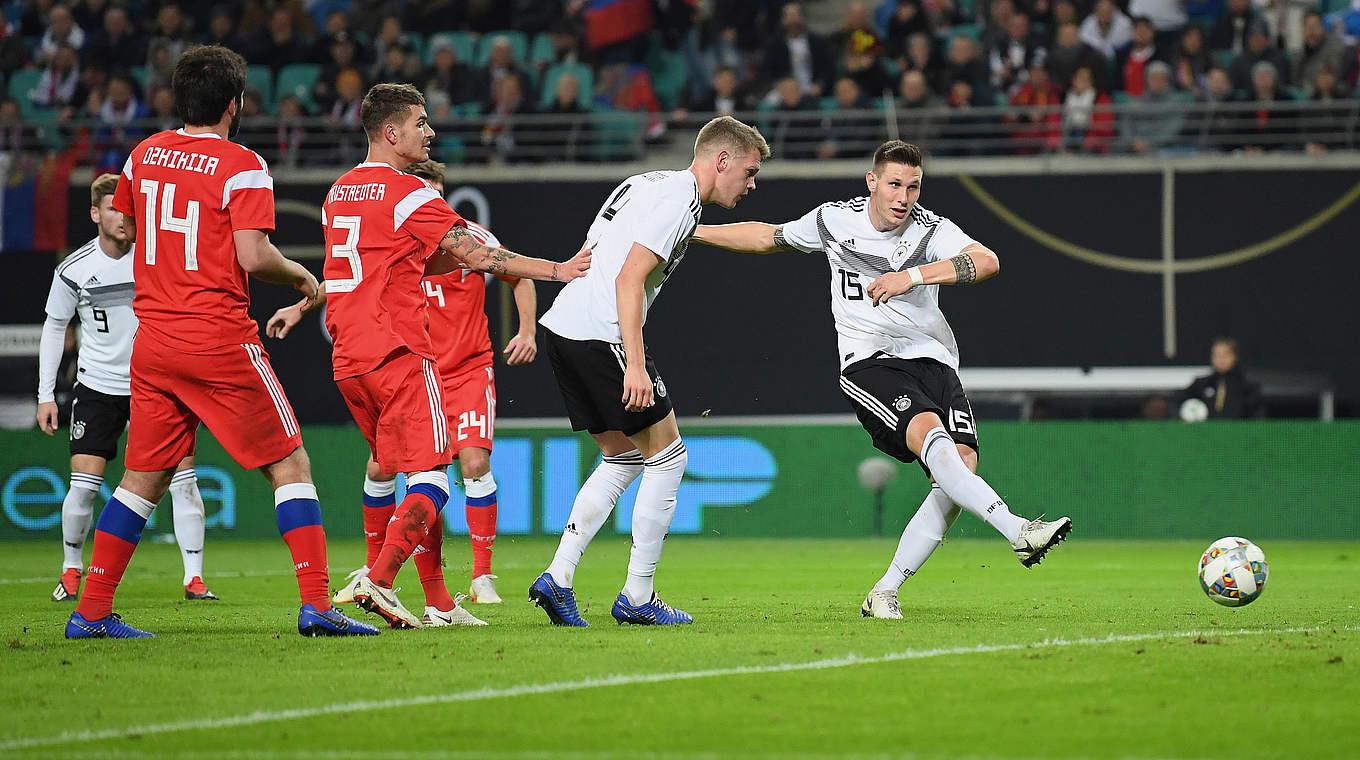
(77, 511)
(965, 488)
(594, 502)
(189, 521)
(922, 534)
(652, 517)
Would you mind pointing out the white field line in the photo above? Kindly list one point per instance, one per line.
(134, 576)
(476, 695)
(528, 754)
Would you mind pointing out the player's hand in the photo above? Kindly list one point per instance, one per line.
(576, 266)
(889, 285)
(521, 349)
(47, 417)
(637, 389)
(283, 321)
(308, 287)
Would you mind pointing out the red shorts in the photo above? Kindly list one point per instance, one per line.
(398, 408)
(231, 389)
(470, 403)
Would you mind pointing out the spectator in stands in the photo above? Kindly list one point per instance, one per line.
(906, 21)
(1327, 128)
(222, 29)
(923, 56)
(1321, 49)
(17, 137)
(1037, 116)
(1230, 30)
(1243, 67)
(390, 34)
(1285, 18)
(726, 96)
(62, 29)
(59, 85)
(966, 63)
(89, 14)
(794, 131)
(1087, 121)
(1154, 119)
(451, 76)
(172, 30)
(121, 105)
(116, 46)
(397, 64)
(847, 132)
(566, 95)
(1269, 127)
(1192, 61)
(1167, 17)
(343, 118)
(337, 23)
(1107, 29)
(857, 19)
(344, 60)
(13, 52)
(1217, 125)
(291, 135)
(257, 127)
(366, 16)
(1226, 391)
(798, 53)
(1203, 12)
(997, 26)
(279, 44)
(863, 62)
(1132, 65)
(914, 92)
(161, 67)
(964, 123)
(501, 63)
(507, 101)
(1015, 56)
(1065, 12)
(916, 105)
(163, 111)
(1069, 53)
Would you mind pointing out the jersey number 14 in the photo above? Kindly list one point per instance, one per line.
(186, 225)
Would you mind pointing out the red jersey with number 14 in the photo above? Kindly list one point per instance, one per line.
(187, 194)
(381, 226)
(457, 309)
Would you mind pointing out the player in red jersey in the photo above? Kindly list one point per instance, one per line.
(386, 229)
(202, 208)
(455, 304)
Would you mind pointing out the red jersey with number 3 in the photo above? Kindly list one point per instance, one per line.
(188, 194)
(381, 226)
(457, 309)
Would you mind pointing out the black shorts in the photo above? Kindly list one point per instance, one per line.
(590, 376)
(97, 422)
(886, 393)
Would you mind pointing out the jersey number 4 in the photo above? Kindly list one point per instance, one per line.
(186, 225)
(347, 250)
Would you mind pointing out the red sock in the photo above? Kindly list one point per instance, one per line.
(107, 563)
(429, 559)
(410, 523)
(299, 520)
(481, 520)
(376, 518)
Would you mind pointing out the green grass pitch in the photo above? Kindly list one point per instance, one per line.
(1107, 649)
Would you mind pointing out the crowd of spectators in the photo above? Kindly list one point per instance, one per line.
(1043, 74)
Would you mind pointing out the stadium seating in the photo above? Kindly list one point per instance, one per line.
(464, 46)
(583, 73)
(20, 87)
(262, 79)
(297, 80)
(519, 44)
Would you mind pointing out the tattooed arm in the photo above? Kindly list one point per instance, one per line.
(459, 245)
(974, 264)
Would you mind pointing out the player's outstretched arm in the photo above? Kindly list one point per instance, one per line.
(285, 319)
(262, 260)
(744, 237)
(523, 348)
(974, 264)
(460, 244)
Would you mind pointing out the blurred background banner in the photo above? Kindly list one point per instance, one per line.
(797, 478)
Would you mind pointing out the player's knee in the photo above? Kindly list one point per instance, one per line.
(294, 468)
(375, 473)
(969, 456)
(474, 462)
(672, 459)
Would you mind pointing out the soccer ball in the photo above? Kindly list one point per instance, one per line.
(1233, 571)
(1194, 410)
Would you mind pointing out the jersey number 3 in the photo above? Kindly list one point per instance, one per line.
(347, 250)
(168, 222)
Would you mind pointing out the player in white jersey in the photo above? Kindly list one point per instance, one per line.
(95, 282)
(611, 386)
(899, 361)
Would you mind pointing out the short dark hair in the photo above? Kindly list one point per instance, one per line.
(206, 79)
(385, 101)
(896, 152)
(429, 169)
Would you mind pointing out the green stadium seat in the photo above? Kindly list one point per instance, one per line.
(1119, 96)
(615, 135)
(828, 103)
(669, 77)
(20, 87)
(584, 75)
(519, 44)
(964, 30)
(142, 75)
(464, 46)
(1223, 58)
(262, 79)
(541, 51)
(298, 80)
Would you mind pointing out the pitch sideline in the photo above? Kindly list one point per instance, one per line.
(265, 716)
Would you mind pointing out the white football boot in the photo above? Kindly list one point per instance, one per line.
(384, 603)
(881, 604)
(436, 618)
(346, 594)
(483, 591)
(1037, 537)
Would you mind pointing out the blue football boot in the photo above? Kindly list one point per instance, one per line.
(111, 627)
(332, 622)
(558, 602)
(654, 612)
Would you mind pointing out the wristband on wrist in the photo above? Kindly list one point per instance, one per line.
(916, 279)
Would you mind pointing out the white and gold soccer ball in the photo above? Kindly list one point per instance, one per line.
(1194, 410)
(1233, 571)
